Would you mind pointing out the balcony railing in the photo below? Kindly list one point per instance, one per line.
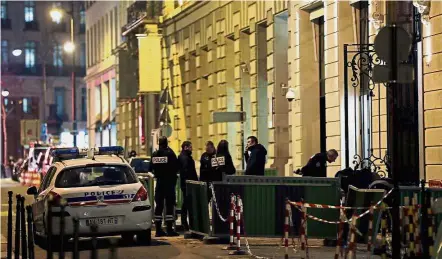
(134, 12)
(31, 26)
(37, 70)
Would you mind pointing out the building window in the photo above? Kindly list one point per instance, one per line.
(59, 101)
(5, 52)
(29, 11)
(4, 10)
(27, 103)
(30, 52)
(83, 54)
(83, 104)
(58, 55)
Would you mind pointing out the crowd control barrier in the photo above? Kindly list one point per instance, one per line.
(267, 172)
(264, 204)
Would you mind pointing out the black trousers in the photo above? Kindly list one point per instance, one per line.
(164, 191)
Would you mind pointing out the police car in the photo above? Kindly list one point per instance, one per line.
(100, 189)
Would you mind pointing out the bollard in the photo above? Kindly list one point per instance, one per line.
(286, 228)
(31, 252)
(9, 248)
(49, 230)
(94, 241)
(113, 249)
(24, 245)
(424, 220)
(61, 237)
(231, 224)
(238, 250)
(75, 251)
(17, 228)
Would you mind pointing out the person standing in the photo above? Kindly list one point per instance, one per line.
(223, 163)
(187, 172)
(317, 164)
(164, 166)
(255, 156)
(207, 171)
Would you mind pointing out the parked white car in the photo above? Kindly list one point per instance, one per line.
(101, 190)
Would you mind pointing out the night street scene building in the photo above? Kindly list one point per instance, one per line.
(36, 71)
(244, 56)
(360, 80)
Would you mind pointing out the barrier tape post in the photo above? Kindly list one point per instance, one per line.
(24, 238)
(17, 228)
(339, 244)
(30, 233)
(384, 237)
(286, 229)
(303, 233)
(231, 223)
(238, 250)
(351, 250)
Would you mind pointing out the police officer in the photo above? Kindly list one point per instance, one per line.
(317, 165)
(164, 165)
(187, 172)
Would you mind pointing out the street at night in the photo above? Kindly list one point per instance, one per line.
(221, 129)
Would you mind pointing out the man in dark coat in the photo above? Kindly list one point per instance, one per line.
(255, 156)
(164, 165)
(187, 172)
(207, 171)
(317, 165)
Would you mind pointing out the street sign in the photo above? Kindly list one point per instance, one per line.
(165, 97)
(164, 116)
(393, 45)
(166, 130)
(228, 117)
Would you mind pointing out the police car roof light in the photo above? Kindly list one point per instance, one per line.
(65, 153)
(112, 150)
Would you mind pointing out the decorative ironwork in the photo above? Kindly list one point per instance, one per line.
(362, 60)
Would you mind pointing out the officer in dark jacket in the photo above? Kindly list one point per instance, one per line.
(255, 156)
(187, 172)
(164, 165)
(223, 163)
(317, 165)
(207, 171)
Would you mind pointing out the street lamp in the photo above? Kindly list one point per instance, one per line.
(5, 92)
(16, 52)
(69, 47)
(56, 15)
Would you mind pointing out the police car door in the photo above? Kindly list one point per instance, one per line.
(38, 207)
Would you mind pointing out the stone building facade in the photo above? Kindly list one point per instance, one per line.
(245, 55)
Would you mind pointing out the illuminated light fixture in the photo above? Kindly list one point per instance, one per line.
(69, 47)
(377, 19)
(16, 52)
(428, 48)
(56, 15)
(5, 92)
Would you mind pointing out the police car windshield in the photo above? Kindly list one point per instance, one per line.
(140, 165)
(95, 175)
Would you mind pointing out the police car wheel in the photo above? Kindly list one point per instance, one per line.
(144, 237)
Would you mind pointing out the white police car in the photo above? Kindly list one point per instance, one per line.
(101, 189)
